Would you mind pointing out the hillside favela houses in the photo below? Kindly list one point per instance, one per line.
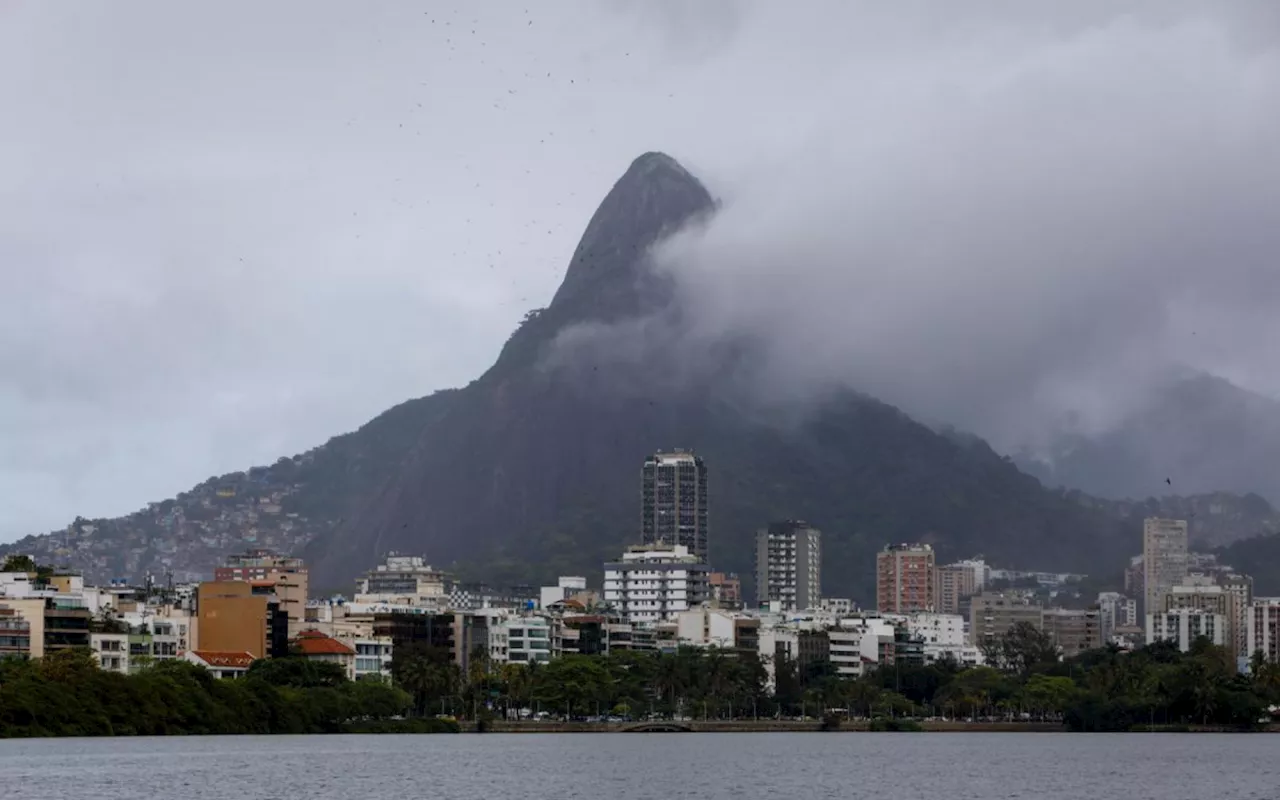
(661, 593)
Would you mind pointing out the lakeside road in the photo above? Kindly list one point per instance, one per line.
(747, 726)
(793, 726)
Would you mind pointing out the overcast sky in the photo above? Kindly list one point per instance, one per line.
(230, 231)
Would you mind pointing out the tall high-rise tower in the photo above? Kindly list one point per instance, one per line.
(1164, 559)
(675, 501)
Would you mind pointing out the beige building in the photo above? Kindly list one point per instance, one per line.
(15, 633)
(52, 624)
(1073, 631)
(1164, 559)
(111, 650)
(402, 580)
(955, 582)
(992, 614)
(287, 577)
(1215, 600)
(234, 618)
(1241, 588)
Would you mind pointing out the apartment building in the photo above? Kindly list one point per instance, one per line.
(674, 502)
(938, 629)
(726, 589)
(1073, 631)
(1240, 587)
(1184, 625)
(654, 583)
(53, 622)
(1262, 630)
(403, 580)
(565, 588)
(905, 579)
(1116, 611)
(954, 583)
(373, 657)
(284, 576)
(237, 617)
(992, 614)
(788, 565)
(15, 633)
(530, 640)
(1211, 598)
(1164, 559)
(111, 650)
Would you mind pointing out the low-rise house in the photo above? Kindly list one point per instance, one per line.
(222, 664)
(315, 646)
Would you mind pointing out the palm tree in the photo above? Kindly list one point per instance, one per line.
(416, 676)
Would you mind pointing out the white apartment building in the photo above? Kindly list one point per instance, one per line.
(528, 639)
(1262, 634)
(112, 651)
(707, 627)
(840, 606)
(965, 655)
(788, 565)
(373, 656)
(158, 633)
(857, 643)
(1184, 625)
(655, 583)
(937, 629)
(566, 586)
(846, 650)
(802, 642)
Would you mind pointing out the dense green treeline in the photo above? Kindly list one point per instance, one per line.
(1099, 690)
(66, 694)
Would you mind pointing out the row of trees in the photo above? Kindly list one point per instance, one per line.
(1100, 690)
(66, 694)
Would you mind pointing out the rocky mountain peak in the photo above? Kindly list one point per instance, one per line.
(652, 199)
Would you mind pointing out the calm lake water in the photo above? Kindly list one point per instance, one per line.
(740, 766)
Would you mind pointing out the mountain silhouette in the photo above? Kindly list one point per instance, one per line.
(533, 469)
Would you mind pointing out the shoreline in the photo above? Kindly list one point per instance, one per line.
(815, 726)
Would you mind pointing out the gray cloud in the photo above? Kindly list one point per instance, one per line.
(1021, 231)
(229, 232)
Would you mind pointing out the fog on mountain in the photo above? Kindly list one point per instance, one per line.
(934, 249)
